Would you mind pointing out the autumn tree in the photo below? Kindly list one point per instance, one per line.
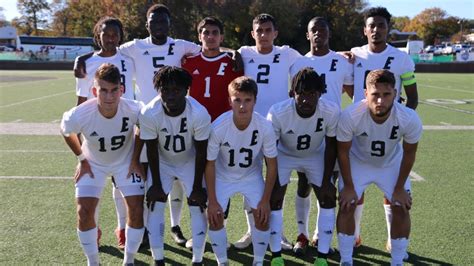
(34, 14)
(433, 23)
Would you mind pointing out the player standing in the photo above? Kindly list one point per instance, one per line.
(336, 73)
(108, 35)
(239, 139)
(107, 124)
(377, 54)
(305, 127)
(175, 129)
(369, 151)
(269, 66)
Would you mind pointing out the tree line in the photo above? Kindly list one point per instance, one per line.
(77, 18)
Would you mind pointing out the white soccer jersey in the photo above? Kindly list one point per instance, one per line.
(378, 144)
(123, 63)
(303, 137)
(391, 58)
(271, 72)
(175, 135)
(149, 58)
(108, 142)
(238, 153)
(335, 70)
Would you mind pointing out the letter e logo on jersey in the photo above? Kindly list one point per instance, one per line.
(333, 65)
(123, 65)
(319, 125)
(394, 133)
(170, 49)
(276, 58)
(124, 124)
(221, 70)
(254, 138)
(182, 128)
(388, 62)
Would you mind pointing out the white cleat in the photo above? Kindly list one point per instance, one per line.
(285, 244)
(244, 242)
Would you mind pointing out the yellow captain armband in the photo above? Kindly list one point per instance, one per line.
(408, 78)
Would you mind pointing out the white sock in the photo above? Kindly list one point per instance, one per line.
(357, 219)
(120, 208)
(346, 246)
(156, 230)
(276, 225)
(327, 219)
(317, 220)
(199, 230)
(249, 217)
(388, 218)
(176, 198)
(88, 241)
(219, 244)
(399, 248)
(133, 239)
(260, 241)
(302, 207)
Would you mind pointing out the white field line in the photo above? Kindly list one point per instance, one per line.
(34, 151)
(442, 88)
(36, 99)
(16, 83)
(52, 129)
(448, 107)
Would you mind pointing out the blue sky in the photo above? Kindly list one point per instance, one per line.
(458, 8)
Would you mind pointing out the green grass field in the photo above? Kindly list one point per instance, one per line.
(37, 225)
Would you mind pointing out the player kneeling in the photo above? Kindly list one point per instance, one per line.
(239, 139)
(369, 151)
(107, 124)
(175, 129)
(305, 126)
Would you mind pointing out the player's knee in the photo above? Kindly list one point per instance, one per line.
(261, 226)
(196, 203)
(85, 212)
(304, 189)
(399, 213)
(327, 203)
(218, 226)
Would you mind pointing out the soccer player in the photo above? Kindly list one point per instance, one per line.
(109, 148)
(175, 129)
(269, 66)
(377, 54)
(305, 127)
(336, 73)
(212, 72)
(369, 151)
(108, 35)
(239, 139)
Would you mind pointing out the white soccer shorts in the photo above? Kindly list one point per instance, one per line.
(251, 188)
(313, 167)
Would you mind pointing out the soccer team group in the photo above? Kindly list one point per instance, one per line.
(204, 126)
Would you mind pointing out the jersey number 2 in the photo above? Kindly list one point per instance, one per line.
(262, 77)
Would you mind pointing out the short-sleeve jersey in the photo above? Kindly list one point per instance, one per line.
(392, 59)
(149, 58)
(378, 144)
(108, 142)
(335, 70)
(175, 135)
(238, 153)
(211, 76)
(123, 63)
(271, 72)
(303, 137)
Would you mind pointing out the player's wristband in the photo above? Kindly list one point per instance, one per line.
(408, 78)
(81, 157)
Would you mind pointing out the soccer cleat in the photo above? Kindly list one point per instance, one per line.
(99, 235)
(301, 245)
(314, 241)
(320, 262)
(189, 244)
(277, 261)
(358, 242)
(388, 247)
(285, 244)
(244, 242)
(177, 235)
(120, 234)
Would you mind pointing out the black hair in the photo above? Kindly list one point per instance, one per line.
(307, 80)
(319, 20)
(171, 76)
(210, 21)
(158, 8)
(262, 18)
(377, 11)
(107, 21)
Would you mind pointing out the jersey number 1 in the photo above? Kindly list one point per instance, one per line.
(207, 92)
